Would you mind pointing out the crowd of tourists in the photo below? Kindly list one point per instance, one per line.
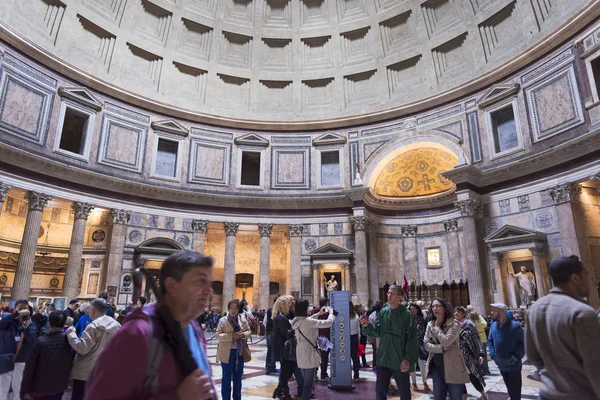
(44, 351)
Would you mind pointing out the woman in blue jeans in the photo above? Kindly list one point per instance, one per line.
(232, 332)
(445, 360)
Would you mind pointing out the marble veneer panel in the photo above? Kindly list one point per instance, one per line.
(210, 162)
(122, 143)
(291, 168)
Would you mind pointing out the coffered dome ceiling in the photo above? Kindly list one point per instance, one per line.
(272, 61)
(416, 173)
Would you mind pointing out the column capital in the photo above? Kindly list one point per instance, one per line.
(372, 226)
(295, 230)
(537, 251)
(120, 216)
(565, 193)
(4, 188)
(37, 201)
(451, 225)
(82, 210)
(498, 256)
(408, 230)
(200, 225)
(468, 208)
(231, 228)
(359, 223)
(265, 230)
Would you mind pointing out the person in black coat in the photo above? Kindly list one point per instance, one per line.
(49, 363)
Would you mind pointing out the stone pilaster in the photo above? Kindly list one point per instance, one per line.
(295, 278)
(264, 271)
(453, 240)
(348, 280)
(409, 267)
(359, 223)
(373, 265)
(4, 188)
(502, 280)
(231, 229)
(116, 244)
(541, 270)
(469, 209)
(200, 228)
(73, 273)
(22, 282)
(316, 273)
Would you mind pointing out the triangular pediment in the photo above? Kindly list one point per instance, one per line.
(496, 93)
(330, 249)
(329, 138)
(171, 126)
(81, 95)
(252, 139)
(513, 235)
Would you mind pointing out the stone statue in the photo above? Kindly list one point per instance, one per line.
(526, 281)
(331, 284)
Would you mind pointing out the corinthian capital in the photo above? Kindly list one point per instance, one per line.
(408, 230)
(4, 188)
(565, 193)
(451, 225)
(265, 230)
(120, 216)
(200, 226)
(37, 201)
(359, 223)
(468, 208)
(295, 230)
(81, 210)
(231, 228)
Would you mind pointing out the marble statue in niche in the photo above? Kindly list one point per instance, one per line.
(525, 281)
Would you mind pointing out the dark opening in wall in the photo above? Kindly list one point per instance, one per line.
(166, 158)
(596, 71)
(505, 129)
(74, 130)
(250, 168)
(330, 168)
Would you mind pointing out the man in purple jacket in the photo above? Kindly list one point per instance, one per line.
(137, 363)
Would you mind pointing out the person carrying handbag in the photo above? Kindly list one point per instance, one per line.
(233, 332)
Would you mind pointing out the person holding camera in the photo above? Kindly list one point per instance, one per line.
(9, 331)
(26, 335)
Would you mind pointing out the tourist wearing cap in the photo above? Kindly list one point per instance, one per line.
(507, 348)
(562, 334)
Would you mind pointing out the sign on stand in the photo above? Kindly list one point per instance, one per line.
(340, 357)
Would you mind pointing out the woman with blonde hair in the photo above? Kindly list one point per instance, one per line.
(282, 314)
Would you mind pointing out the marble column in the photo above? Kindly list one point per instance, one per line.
(295, 279)
(502, 279)
(264, 271)
(200, 228)
(359, 223)
(348, 280)
(22, 282)
(4, 188)
(468, 209)
(541, 273)
(114, 259)
(231, 230)
(316, 273)
(373, 266)
(454, 255)
(411, 269)
(73, 273)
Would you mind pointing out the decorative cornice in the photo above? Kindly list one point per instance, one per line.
(265, 230)
(496, 93)
(82, 210)
(120, 216)
(408, 230)
(468, 208)
(231, 228)
(200, 226)
(81, 95)
(451, 225)
(171, 126)
(359, 223)
(37, 201)
(4, 188)
(565, 193)
(420, 202)
(295, 230)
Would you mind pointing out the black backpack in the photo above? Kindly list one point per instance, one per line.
(289, 347)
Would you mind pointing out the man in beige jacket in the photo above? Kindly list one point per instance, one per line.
(90, 345)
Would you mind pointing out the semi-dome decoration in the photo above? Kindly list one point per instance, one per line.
(416, 173)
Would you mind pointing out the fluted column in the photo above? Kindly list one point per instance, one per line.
(114, 262)
(231, 230)
(71, 283)
(264, 271)
(502, 279)
(200, 228)
(410, 267)
(539, 267)
(359, 223)
(348, 280)
(468, 209)
(4, 188)
(373, 266)
(22, 282)
(316, 273)
(295, 278)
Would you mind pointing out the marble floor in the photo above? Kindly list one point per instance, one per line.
(257, 385)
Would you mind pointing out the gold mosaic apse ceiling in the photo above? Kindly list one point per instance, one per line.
(416, 173)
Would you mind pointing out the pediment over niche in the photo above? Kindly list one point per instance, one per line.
(330, 250)
(511, 237)
(329, 138)
(496, 93)
(81, 95)
(252, 139)
(171, 126)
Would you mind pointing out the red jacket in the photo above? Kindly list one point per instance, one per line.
(122, 367)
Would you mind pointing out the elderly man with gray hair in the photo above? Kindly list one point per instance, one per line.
(90, 345)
